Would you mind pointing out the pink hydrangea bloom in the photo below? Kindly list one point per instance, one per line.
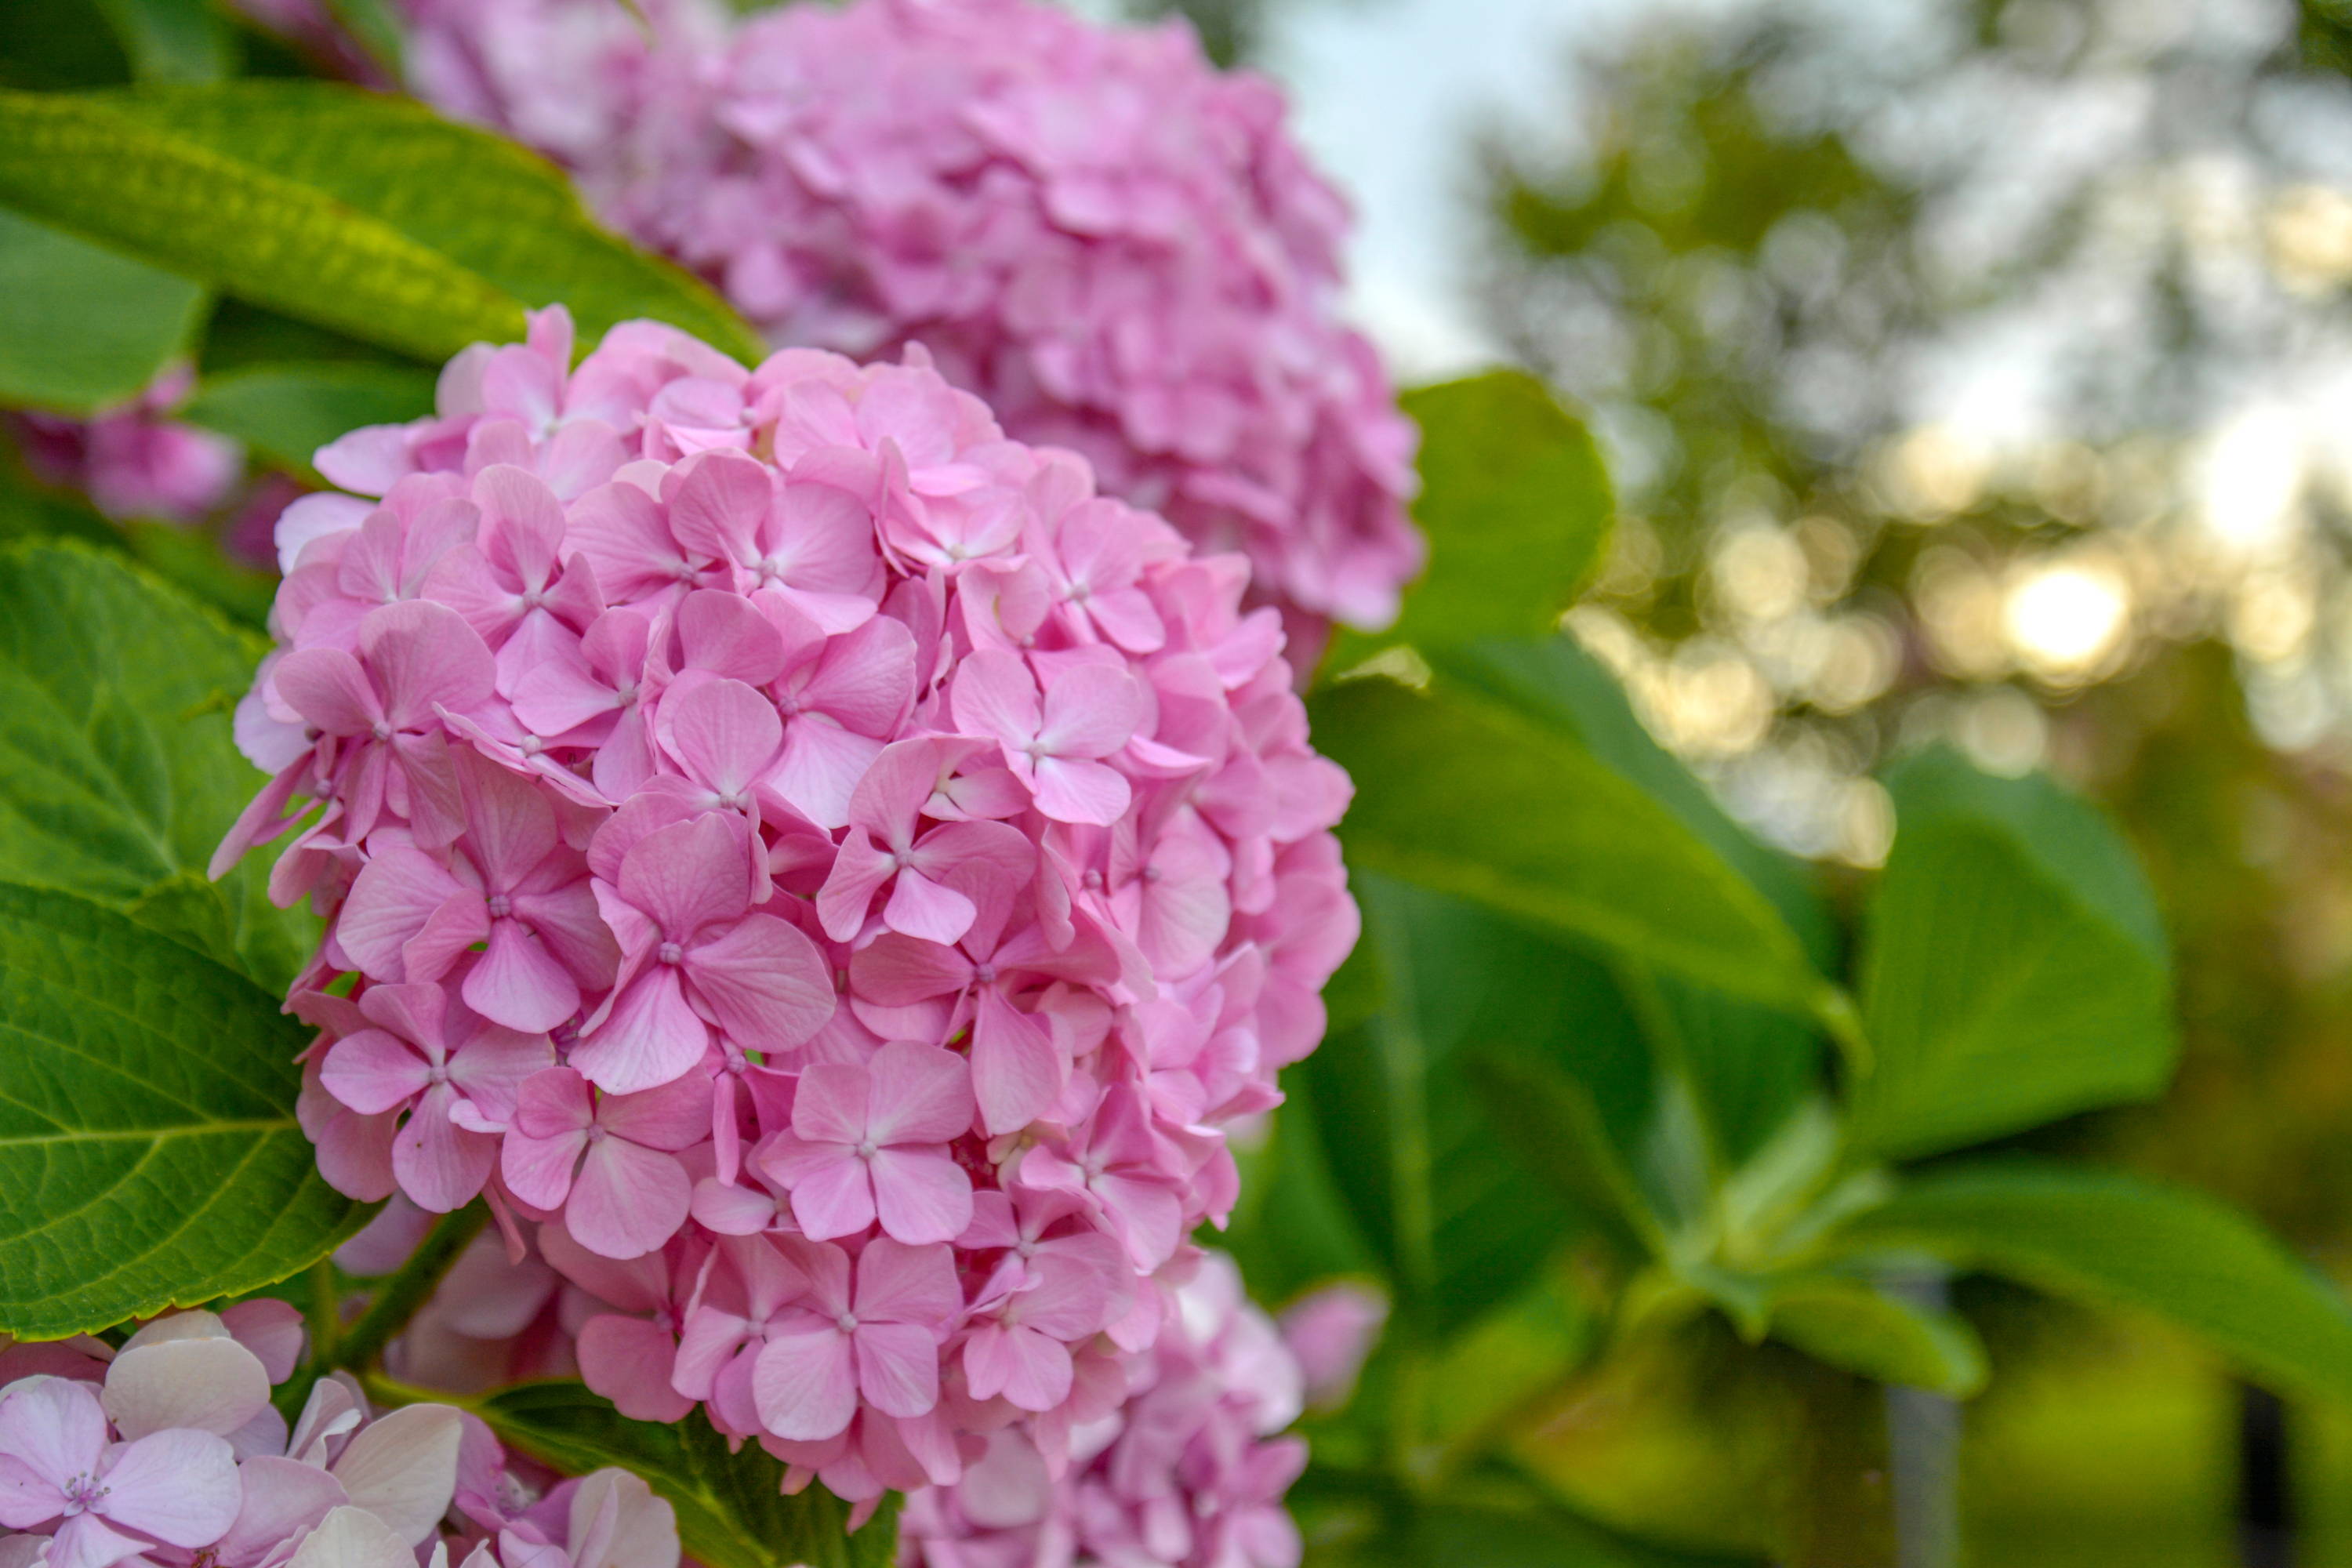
(134, 459)
(169, 1447)
(1120, 247)
(843, 938)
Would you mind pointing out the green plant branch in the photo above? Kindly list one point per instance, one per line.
(396, 1300)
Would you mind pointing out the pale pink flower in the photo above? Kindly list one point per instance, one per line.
(134, 460)
(1331, 1330)
(109, 1501)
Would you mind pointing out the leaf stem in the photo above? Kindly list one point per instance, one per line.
(396, 1300)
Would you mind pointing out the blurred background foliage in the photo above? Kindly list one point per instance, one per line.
(1978, 371)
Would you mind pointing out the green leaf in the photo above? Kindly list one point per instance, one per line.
(1471, 799)
(117, 775)
(1854, 1325)
(191, 560)
(2015, 973)
(288, 412)
(2118, 1241)
(1554, 683)
(1516, 504)
(149, 1153)
(1749, 1066)
(730, 1513)
(1550, 1120)
(1455, 1220)
(173, 40)
(81, 326)
(361, 213)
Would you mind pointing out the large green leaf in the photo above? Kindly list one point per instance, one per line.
(1457, 1222)
(731, 1512)
(2015, 971)
(2118, 1241)
(363, 213)
(1471, 798)
(1516, 505)
(288, 412)
(81, 326)
(1749, 1066)
(117, 775)
(149, 1154)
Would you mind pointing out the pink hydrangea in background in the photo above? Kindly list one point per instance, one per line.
(1117, 246)
(135, 460)
(169, 1447)
(829, 869)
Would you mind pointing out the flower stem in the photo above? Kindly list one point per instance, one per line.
(1841, 1513)
(396, 1300)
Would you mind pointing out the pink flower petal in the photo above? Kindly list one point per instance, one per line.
(923, 908)
(918, 1094)
(439, 1164)
(629, 1360)
(899, 1283)
(897, 1367)
(626, 1200)
(767, 983)
(177, 1486)
(806, 1383)
(919, 1193)
(1083, 792)
(650, 1038)
(517, 982)
(1017, 1070)
(373, 1073)
(831, 1191)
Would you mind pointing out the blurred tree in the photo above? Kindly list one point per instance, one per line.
(1969, 367)
(1975, 371)
(1230, 29)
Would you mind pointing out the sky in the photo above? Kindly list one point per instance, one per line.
(1389, 96)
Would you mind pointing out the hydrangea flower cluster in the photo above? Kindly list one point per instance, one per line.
(1117, 246)
(135, 460)
(168, 1451)
(808, 852)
